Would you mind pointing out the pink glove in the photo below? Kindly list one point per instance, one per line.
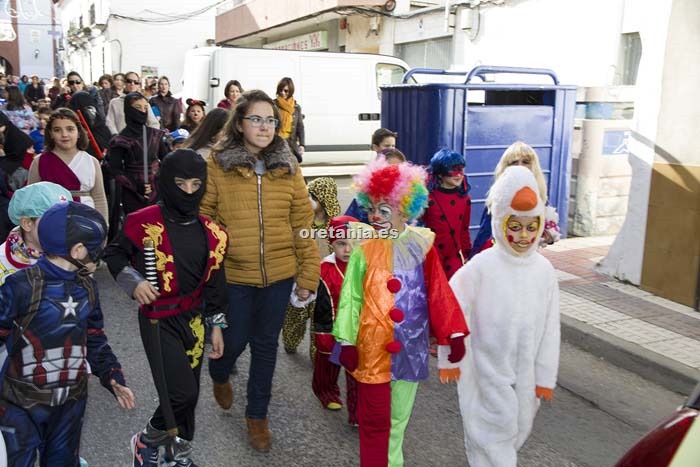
(348, 357)
(457, 349)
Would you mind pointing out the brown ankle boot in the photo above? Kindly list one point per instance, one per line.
(259, 435)
(223, 393)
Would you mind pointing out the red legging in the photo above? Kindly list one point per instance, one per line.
(351, 398)
(374, 413)
(325, 385)
(325, 380)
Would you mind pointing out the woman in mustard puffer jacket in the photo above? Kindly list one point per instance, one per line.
(256, 190)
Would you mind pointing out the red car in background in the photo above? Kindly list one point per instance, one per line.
(674, 442)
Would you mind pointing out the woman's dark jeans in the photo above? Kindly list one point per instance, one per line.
(255, 317)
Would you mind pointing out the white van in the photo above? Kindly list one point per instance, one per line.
(338, 92)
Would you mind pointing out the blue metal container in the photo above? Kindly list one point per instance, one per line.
(480, 120)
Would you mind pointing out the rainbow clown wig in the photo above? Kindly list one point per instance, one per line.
(400, 185)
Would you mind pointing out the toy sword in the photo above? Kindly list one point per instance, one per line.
(175, 447)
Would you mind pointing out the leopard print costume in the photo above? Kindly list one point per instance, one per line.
(325, 191)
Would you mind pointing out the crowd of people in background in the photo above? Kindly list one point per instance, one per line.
(108, 112)
(140, 158)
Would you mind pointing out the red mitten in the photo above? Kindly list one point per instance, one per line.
(457, 349)
(348, 357)
(544, 393)
(324, 342)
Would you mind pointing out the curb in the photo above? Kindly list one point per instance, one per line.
(661, 370)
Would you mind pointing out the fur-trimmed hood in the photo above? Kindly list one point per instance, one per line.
(277, 157)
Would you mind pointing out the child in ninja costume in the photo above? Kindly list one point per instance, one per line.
(22, 249)
(510, 295)
(51, 338)
(394, 296)
(169, 258)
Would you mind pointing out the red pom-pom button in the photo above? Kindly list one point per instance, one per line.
(396, 315)
(393, 284)
(393, 347)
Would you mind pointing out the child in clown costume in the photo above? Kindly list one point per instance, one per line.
(344, 233)
(394, 296)
(510, 295)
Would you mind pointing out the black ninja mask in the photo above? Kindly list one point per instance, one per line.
(134, 117)
(178, 205)
(82, 101)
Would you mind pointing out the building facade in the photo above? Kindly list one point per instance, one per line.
(587, 42)
(103, 36)
(28, 38)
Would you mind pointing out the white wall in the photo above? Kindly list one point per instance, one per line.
(33, 36)
(624, 260)
(578, 39)
(159, 45)
(72, 60)
(134, 44)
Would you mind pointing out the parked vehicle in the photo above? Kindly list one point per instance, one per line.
(338, 92)
(675, 442)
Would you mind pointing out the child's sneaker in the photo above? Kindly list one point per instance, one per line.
(334, 406)
(184, 463)
(144, 455)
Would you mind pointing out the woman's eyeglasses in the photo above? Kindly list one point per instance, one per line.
(71, 82)
(132, 81)
(257, 122)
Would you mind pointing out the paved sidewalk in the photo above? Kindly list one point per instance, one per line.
(634, 329)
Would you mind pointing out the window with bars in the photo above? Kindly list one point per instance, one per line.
(433, 53)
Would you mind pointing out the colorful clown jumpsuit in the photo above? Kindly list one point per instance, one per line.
(394, 297)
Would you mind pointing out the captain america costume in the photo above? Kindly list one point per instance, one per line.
(44, 380)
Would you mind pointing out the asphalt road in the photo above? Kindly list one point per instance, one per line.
(598, 412)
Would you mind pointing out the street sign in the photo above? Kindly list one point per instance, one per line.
(615, 142)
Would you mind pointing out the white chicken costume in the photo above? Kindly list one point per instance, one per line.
(511, 301)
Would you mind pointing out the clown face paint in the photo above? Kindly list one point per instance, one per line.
(385, 217)
(521, 232)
